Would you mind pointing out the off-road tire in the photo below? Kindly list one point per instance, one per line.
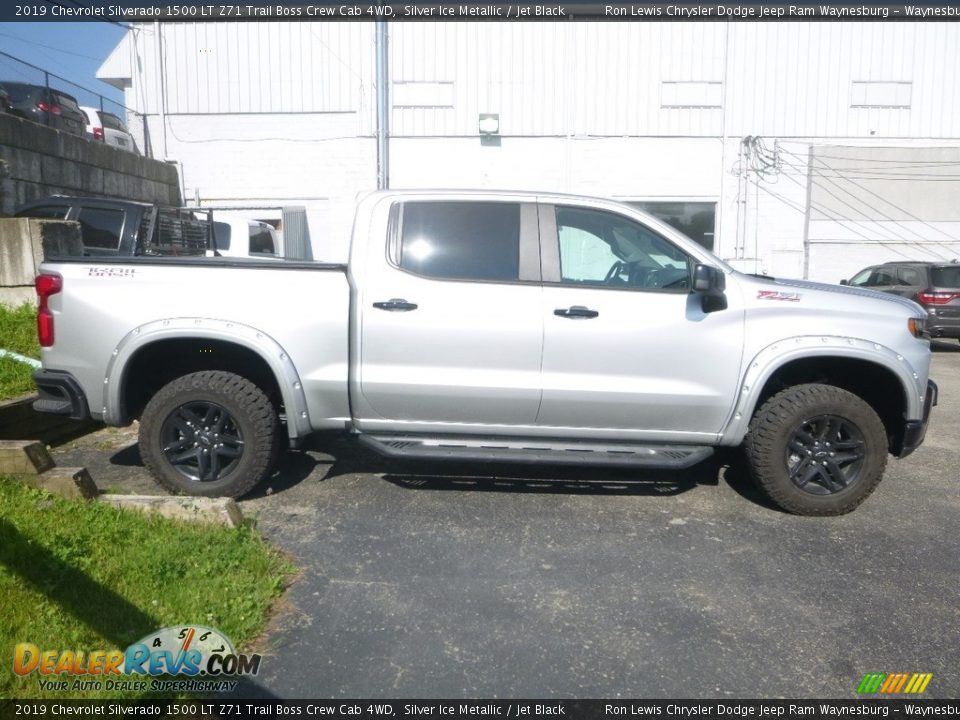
(251, 413)
(777, 423)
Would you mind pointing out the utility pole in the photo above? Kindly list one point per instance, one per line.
(383, 106)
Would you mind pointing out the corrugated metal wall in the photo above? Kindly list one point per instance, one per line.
(778, 79)
(557, 79)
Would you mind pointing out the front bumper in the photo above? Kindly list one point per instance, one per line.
(60, 394)
(915, 430)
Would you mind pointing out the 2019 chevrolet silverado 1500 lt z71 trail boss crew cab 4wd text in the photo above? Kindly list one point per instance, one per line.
(491, 326)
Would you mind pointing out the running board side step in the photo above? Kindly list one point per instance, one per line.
(516, 450)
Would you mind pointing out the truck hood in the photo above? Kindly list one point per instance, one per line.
(787, 285)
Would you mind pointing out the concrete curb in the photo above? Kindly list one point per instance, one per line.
(219, 511)
(24, 457)
(71, 483)
(29, 463)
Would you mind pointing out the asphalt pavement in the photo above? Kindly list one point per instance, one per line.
(491, 581)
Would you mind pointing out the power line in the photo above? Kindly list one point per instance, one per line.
(50, 47)
(886, 216)
(836, 217)
(872, 160)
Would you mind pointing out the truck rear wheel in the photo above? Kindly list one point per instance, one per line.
(209, 433)
(816, 449)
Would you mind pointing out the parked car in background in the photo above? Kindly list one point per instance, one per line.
(123, 227)
(108, 128)
(5, 100)
(935, 285)
(47, 106)
(238, 237)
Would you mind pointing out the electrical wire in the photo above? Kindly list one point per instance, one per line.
(837, 217)
(50, 47)
(886, 216)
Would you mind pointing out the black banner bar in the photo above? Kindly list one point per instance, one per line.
(192, 11)
(477, 709)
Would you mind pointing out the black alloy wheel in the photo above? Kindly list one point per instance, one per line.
(202, 441)
(825, 454)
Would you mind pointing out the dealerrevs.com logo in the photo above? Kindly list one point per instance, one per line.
(204, 656)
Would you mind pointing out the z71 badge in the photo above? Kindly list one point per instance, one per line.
(777, 295)
(111, 272)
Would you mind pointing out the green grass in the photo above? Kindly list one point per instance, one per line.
(18, 332)
(87, 576)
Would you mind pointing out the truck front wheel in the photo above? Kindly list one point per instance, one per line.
(211, 433)
(816, 449)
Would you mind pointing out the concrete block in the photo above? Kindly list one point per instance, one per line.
(219, 511)
(24, 457)
(22, 164)
(71, 483)
(116, 185)
(73, 175)
(42, 162)
(51, 169)
(17, 265)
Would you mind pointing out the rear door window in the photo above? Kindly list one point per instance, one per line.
(461, 240)
(909, 276)
(101, 227)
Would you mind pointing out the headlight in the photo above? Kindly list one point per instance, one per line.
(918, 328)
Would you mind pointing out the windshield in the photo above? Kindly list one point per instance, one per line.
(945, 277)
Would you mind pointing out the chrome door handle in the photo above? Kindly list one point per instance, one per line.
(395, 305)
(576, 312)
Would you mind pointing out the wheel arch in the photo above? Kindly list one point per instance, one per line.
(878, 375)
(153, 354)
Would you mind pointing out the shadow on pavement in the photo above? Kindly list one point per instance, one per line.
(945, 346)
(352, 459)
(346, 457)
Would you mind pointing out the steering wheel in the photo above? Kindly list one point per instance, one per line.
(614, 271)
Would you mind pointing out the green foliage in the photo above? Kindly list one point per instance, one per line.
(87, 576)
(18, 332)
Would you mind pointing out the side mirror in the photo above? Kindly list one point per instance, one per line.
(844, 282)
(710, 282)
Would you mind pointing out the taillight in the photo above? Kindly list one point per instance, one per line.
(936, 298)
(51, 108)
(98, 133)
(47, 284)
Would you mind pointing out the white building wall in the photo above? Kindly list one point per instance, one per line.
(285, 111)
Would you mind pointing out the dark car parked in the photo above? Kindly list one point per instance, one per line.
(48, 106)
(936, 286)
(5, 100)
(124, 227)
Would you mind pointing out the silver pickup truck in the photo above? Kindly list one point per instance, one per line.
(491, 326)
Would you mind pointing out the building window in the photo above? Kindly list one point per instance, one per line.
(880, 94)
(696, 220)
